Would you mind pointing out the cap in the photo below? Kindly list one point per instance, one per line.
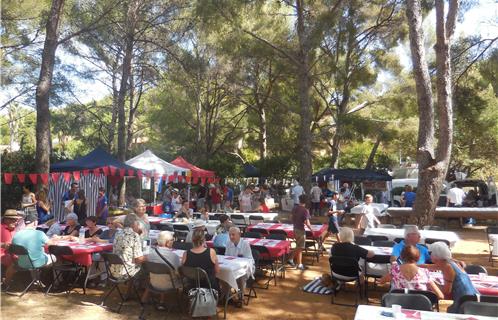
(199, 223)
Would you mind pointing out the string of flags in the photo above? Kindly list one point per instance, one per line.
(111, 171)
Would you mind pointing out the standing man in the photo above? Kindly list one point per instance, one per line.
(102, 210)
(454, 198)
(296, 192)
(201, 197)
(408, 198)
(333, 214)
(300, 220)
(70, 195)
(315, 193)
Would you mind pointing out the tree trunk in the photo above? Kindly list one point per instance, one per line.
(371, 157)
(304, 140)
(336, 149)
(114, 116)
(262, 133)
(43, 143)
(433, 164)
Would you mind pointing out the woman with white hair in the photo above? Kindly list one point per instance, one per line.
(456, 282)
(164, 255)
(139, 207)
(72, 229)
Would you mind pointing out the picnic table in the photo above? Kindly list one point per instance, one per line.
(82, 252)
(276, 248)
(317, 229)
(392, 234)
(369, 312)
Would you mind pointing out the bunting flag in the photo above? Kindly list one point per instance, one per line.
(210, 180)
(67, 176)
(76, 175)
(216, 180)
(180, 178)
(195, 180)
(131, 172)
(139, 174)
(8, 178)
(203, 180)
(122, 172)
(171, 178)
(113, 171)
(33, 177)
(86, 172)
(96, 172)
(21, 177)
(188, 178)
(106, 171)
(44, 178)
(55, 176)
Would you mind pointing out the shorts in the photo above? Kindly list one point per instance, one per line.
(300, 236)
(332, 228)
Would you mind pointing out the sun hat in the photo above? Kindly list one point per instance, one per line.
(199, 223)
(11, 214)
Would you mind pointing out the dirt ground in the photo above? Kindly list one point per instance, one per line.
(284, 301)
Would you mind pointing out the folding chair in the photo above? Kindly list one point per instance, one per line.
(277, 236)
(279, 232)
(201, 280)
(35, 272)
(338, 263)
(478, 298)
(164, 270)
(220, 250)
(262, 231)
(429, 294)
(239, 221)
(182, 245)
(407, 301)
(266, 262)
(362, 241)
(255, 219)
(111, 259)
(487, 309)
(371, 272)
(250, 282)
(475, 269)
(181, 231)
(312, 244)
(377, 238)
(491, 230)
(63, 266)
(398, 240)
(432, 240)
(383, 243)
(165, 227)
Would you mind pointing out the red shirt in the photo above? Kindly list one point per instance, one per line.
(215, 196)
(5, 237)
(264, 208)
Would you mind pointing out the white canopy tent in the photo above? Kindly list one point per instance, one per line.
(150, 162)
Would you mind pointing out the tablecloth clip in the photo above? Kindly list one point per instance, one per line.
(406, 290)
(478, 297)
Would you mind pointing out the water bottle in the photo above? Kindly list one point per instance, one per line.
(146, 247)
(82, 236)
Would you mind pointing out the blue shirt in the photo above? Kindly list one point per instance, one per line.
(67, 197)
(409, 198)
(221, 239)
(33, 241)
(425, 257)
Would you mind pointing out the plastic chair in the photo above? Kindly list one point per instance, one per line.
(181, 231)
(111, 259)
(35, 272)
(252, 234)
(377, 238)
(338, 263)
(383, 243)
(182, 245)
(475, 269)
(200, 279)
(488, 309)
(491, 230)
(407, 301)
(266, 262)
(63, 266)
(362, 241)
(255, 219)
(429, 294)
(432, 240)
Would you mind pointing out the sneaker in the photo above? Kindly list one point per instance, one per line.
(291, 262)
(301, 267)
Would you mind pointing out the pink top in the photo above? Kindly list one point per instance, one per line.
(418, 282)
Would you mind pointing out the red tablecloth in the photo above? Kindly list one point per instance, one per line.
(317, 229)
(82, 252)
(277, 248)
(154, 209)
(158, 220)
(488, 286)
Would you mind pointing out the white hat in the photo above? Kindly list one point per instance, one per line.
(199, 223)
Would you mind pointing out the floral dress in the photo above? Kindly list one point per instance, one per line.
(128, 245)
(418, 282)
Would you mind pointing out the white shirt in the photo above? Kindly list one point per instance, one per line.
(316, 192)
(296, 192)
(176, 203)
(369, 218)
(241, 249)
(456, 196)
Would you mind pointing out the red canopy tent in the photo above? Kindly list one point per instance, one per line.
(196, 171)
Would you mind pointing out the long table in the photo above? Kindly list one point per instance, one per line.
(392, 234)
(276, 248)
(210, 225)
(82, 252)
(317, 229)
(450, 212)
(369, 312)
(270, 216)
(379, 209)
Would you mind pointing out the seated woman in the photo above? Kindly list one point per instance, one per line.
(184, 211)
(72, 230)
(263, 207)
(107, 236)
(201, 257)
(204, 214)
(409, 275)
(456, 281)
(92, 229)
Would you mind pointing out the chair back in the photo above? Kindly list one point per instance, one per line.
(165, 227)
(60, 250)
(429, 294)
(263, 232)
(432, 240)
(276, 236)
(181, 227)
(475, 269)
(398, 240)
(238, 219)
(387, 226)
(263, 252)
(487, 309)
(377, 238)
(254, 219)
(339, 262)
(380, 259)
(157, 268)
(252, 234)
(196, 275)
(182, 245)
(408, 301)
(19, 250)
(113, 259)
(383, 243)
(197, 215)
(277, 231)
(473, 297)
(362, 241)
(220, 250)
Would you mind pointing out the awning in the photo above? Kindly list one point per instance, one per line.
(150, 162)
(196, 171)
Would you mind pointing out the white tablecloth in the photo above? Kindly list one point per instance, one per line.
(266, 216)
(210, 226)
(451, 236)
(380, 209)
(369, 312)
(494, 239)
(231, 268)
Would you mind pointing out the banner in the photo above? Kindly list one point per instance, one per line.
(76, 175)
(8, 178)
(33, 177)
(21, 177)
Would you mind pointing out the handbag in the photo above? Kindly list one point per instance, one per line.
(202, 302)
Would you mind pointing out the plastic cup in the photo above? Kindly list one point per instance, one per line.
(396, 309)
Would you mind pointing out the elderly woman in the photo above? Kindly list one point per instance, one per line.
(409, 275)
(92, 228)
(165, 256)
(72, 229)
(128, 245)
(143, 220)
(456, 282)
(108, 235)
(201, 257)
